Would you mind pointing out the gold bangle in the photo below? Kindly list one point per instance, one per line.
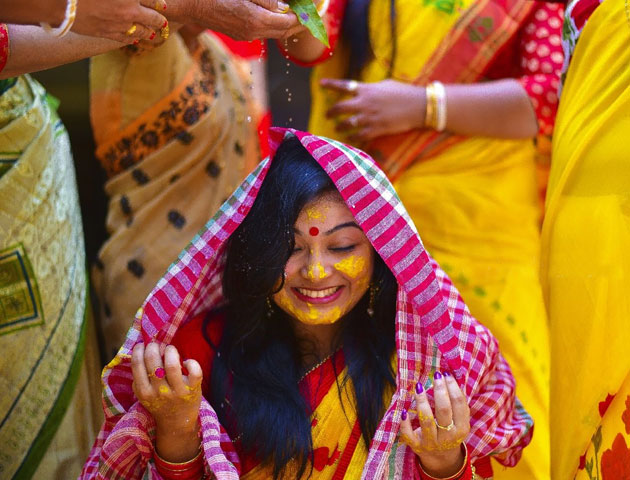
(181, 466)
(68, 20)
(452, 477)
(440, 106)
(431, 106)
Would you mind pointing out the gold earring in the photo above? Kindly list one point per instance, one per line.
(373, 290)
(269, 308)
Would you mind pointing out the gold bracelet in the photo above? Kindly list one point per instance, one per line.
(440, 106)
(181, 466)
(431, 104)
(68, 20)
(456, 475)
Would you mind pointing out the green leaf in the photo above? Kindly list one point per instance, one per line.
(597, 439)
(309, 17)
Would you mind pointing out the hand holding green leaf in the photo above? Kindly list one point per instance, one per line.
(308, 16)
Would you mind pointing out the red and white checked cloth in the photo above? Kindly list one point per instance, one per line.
(434, 331)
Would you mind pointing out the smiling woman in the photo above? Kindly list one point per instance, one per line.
(327, 274)
(333, 333)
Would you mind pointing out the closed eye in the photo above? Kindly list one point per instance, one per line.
(349, 248)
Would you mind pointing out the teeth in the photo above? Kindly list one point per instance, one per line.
(317, 293)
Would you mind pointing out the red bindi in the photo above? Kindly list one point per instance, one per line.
(314, 231)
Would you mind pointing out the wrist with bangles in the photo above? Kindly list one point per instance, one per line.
(68, 20)
(193, 469)
(435, 117)
(466, 472)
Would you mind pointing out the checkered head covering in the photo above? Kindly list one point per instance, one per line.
(434, 331)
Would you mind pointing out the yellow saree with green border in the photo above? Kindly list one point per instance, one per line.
(48, 415)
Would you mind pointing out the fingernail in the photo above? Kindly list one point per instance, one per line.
(419, 388)
(447, 374)
(152, 36)
(164, 6)
(136, 42)
(283, 7)
(437, 375)
(403, 415)
(165, 24)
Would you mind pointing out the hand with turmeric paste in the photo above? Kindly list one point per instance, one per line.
(173, 399)
(438, 441)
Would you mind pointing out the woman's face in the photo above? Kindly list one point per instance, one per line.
(331, 267)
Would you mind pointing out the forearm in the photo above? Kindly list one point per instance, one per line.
(177, 445)
(32, 49)
(32, 12)
(303, 47)
(499, 109)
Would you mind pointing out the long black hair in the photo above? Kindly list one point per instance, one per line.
(257, 367)
(356, 33)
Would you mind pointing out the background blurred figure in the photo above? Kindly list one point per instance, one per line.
(176, 131)
(461, 154)
(49, 363)
(585, 259)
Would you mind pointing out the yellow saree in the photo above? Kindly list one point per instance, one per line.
(474, 200)
(176, 132)
(339, 448)
(49, 406)
(585, 258)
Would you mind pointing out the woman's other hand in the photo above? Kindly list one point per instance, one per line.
(125, 21)
(438, 440)
(376, 109)
(173, 399)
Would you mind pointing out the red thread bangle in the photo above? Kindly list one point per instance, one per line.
(191, 470)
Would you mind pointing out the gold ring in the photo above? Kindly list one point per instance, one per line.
(165, 31)
(132, 30)
(448, 428)
(352, 86)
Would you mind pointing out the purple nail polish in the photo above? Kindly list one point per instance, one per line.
(419, 388)
(403, 415)
(447, 374)
(437, 375)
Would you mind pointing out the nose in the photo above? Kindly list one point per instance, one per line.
(314, 269)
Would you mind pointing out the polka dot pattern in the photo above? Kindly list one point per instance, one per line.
(541, 62)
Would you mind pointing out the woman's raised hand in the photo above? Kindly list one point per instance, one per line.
(173, 399)
(438, 440)
(376, 109)
(125, 21)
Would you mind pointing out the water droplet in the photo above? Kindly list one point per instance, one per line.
(249, 119)
(295, 40)
(286, 89)
(330, 54)
(290, 119)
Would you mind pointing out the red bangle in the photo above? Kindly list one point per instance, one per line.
(191, 470)
(467, 471)
(4, 45)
